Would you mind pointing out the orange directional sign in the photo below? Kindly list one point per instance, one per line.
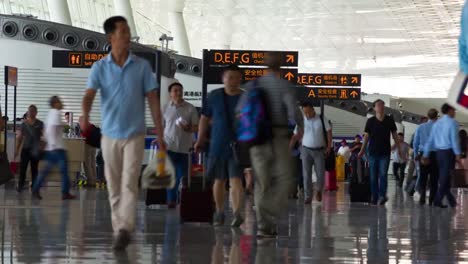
(85, 59)
(249, 57)
(249, 74)
(11, 76)
(325, 79)
(316, 93)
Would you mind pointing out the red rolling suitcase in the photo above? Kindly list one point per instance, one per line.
(330, 181)
(196, 197)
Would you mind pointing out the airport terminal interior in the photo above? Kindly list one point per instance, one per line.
(294, 131)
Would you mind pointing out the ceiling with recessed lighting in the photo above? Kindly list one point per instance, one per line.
(406, 48)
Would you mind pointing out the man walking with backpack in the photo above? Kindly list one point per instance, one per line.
(273, 166)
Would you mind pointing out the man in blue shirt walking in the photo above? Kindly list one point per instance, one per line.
(445, 142)
(124, 80)
(219, 110)
(421, 137)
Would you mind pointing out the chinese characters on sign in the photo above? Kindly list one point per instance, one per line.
(249, 57)
(330, 93)
(250, 74)
(191, 94)
(85, 59)
(321, 79)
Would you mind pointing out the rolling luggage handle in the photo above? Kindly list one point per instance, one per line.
(190, 169)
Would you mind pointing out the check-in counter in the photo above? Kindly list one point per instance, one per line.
(75, 148)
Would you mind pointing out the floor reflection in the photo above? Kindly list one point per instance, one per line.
(52, 231)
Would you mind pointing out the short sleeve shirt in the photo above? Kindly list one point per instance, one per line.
(221, 134)
(379, 135)
(405, 148)
(313, 132)
(31, 133)
(54, 130)
(123, 90)
(177, 139)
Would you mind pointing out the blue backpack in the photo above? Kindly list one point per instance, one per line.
(254, 124)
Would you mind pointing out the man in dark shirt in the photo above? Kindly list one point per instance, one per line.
(222, 165)
(28, 144)
(378, 130)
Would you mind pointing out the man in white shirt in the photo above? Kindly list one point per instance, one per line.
(55, 150)
(315, 145)
(180, 124)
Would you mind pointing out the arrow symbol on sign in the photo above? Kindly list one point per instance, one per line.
(290, 58)
(354, 94)
(289, 76)
(354, 80)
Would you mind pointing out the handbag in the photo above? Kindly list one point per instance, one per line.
(5, 173)
(459, 178)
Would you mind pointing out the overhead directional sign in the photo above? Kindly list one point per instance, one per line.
(249, 57)
(325, 79)
(11, 76)
(319, 93)
(85, 59)
(249, 74)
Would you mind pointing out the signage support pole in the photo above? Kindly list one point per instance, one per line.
(14, 109)
(6, 115)
(322, 108)
(205, 68)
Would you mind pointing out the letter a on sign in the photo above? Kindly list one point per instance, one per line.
(311, 93)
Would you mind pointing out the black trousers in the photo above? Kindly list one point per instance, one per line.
(26, 158)
(399, 172)
(446, 163)
(429, 174)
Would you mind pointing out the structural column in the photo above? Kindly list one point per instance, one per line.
(177, 25)
(227, 30)
(59, 12)
(124, 8)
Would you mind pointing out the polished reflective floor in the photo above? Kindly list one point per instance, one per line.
(334, 231)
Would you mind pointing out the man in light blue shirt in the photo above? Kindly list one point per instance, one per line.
(421, 137)
(124, 81)
(445, 142)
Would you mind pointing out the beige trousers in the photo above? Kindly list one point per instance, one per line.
(274, 175)
(90, 164)
(122, 160)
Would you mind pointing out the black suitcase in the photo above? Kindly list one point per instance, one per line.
(196, 198)
(154, 197)
(359, 186)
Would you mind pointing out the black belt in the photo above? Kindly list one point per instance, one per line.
(315, 149)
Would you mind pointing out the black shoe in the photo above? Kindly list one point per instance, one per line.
(453, 204)
(122, 240)
(440, 205)
(266, 234)
(36, 195)
(383, 200)
(422, 201)
(19, 189)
